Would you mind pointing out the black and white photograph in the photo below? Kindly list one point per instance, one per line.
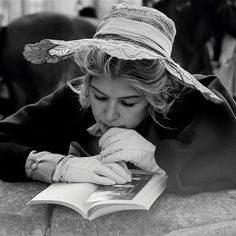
(117, 117)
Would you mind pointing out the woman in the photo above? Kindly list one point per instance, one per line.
(134, 105)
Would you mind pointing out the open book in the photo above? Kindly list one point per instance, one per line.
(92, 201)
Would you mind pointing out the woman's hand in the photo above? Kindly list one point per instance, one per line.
(90, 169)
(127, 145)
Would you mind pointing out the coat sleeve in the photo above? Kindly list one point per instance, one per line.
(203, 156)
(41, 127)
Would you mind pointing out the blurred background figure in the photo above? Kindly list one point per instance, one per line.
(14, 9)
(205, 36)
(29, 21)
(86, 8)
(225, 68)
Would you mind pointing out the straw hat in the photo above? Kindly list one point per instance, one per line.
(128, 32)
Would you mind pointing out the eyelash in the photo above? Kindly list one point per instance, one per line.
(127, 104)
(122, 102)
(100, 98)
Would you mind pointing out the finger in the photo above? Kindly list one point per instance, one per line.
(109, 151)
(124, 165)
(74, 148)
(99, 157)
(111, 132)
(119, 139)
(107, 136)
(116, 140)
(119, 170)
(108, 172)
(123, 155)
(102, 180)
(114, 157)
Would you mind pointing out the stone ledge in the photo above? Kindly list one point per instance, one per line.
(227, 228)
(201, 214)
(169, 213)
(16, 218)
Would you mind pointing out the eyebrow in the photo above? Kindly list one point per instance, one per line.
(125, 97)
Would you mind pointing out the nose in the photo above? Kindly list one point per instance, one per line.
(112, 112)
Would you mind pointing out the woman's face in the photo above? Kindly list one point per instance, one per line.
(115, 104)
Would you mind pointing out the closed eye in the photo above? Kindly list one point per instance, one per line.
(100, 98)
(127, 104)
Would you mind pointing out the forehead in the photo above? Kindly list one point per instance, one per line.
(114, 87)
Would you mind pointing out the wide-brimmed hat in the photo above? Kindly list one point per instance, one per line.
(128, 32)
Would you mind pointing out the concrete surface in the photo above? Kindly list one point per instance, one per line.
(205, 214)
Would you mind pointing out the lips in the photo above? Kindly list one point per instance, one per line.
(113, 126)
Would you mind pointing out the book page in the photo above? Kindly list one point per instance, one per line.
(73, 195)
(140, 194)
(151, 191)
(121, 191)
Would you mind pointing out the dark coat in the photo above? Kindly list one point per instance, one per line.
(198, 154)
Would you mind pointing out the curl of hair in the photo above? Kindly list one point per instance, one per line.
(148, 77)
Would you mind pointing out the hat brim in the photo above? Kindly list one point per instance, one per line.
(52, 51)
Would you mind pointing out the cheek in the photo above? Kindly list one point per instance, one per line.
(94, 104)
(97, 108)
(134, 117)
